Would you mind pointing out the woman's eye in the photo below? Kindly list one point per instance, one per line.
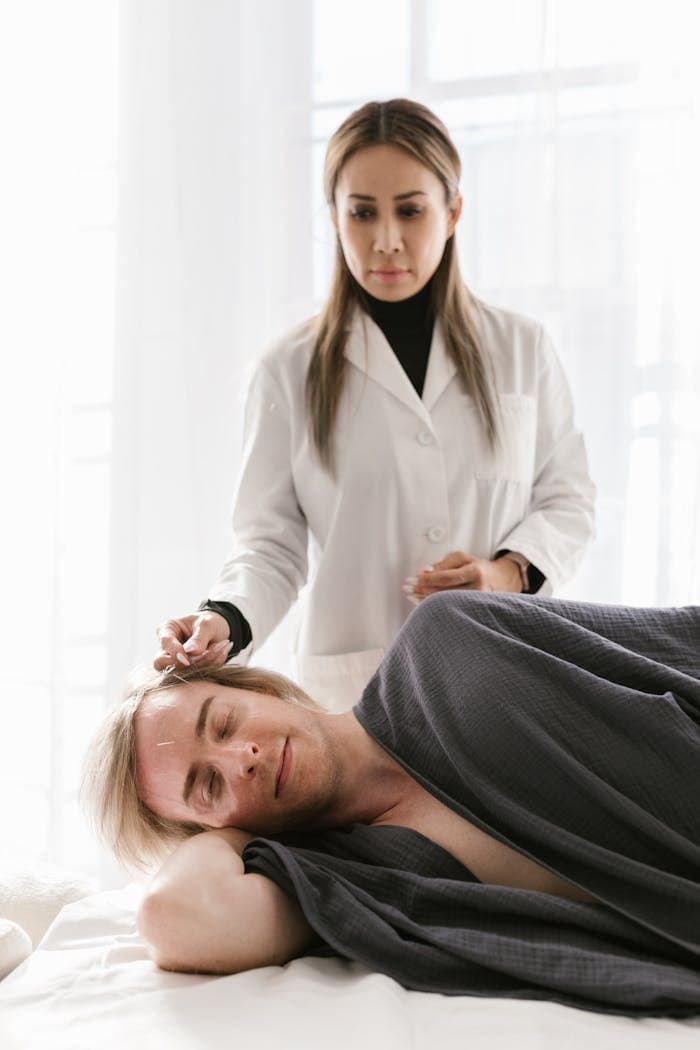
(361, 213)
(408, 213)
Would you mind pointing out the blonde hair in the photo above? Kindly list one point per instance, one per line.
(415, 129)
(138, 837)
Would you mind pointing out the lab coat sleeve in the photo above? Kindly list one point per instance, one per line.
(267, 565)
(560, 521)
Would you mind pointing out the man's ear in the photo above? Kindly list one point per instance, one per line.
(454, 211)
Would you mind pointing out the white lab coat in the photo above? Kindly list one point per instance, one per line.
(415, 479)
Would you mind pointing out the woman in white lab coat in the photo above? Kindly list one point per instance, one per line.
(407, 440)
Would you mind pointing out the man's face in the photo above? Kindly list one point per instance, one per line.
(228, 757)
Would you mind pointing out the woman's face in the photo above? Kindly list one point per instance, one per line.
(392, 221)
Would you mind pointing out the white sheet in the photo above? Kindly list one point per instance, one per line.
(90, 984)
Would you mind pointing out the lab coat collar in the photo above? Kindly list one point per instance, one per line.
(441, 369)
(368, 349)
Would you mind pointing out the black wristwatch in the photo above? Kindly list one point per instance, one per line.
(238, 627)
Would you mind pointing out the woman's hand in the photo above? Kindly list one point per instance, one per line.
(461, 571)
(202, 639)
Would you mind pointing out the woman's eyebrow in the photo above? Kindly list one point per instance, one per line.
(398, 197)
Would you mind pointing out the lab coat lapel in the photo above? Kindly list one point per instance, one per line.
(368, 349)
(441, 369)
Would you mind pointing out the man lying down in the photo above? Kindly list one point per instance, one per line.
(511, 809)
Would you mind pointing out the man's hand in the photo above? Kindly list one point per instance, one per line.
(201, 639)
(202, 912)
(461, 571)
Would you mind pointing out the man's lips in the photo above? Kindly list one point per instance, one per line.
(283, 771)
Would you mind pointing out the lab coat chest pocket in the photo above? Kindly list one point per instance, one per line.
(512, 458)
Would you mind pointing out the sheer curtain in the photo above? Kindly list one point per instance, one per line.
(152, 259)
(214, 193)
(58, 112)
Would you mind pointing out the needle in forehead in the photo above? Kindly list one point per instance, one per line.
(165, 743)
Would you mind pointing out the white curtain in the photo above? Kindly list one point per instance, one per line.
(214, 193)
(147, 270)
(58, 112)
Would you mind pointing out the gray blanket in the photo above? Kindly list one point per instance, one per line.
(568, 731)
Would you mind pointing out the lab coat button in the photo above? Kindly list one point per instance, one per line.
(425, 438)
(435, 533)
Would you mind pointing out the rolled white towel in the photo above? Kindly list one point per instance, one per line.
(15, 945)
(32, 894)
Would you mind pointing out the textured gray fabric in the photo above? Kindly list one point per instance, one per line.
(572, 733)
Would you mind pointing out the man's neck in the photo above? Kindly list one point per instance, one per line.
(371, 783)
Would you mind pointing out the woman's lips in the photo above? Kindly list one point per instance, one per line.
(283, 773)
(388, 276)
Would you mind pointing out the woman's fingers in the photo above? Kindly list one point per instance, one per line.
(197, 638)
(456, 569)
(438, 581)
(466, 573)
(214, 656)
(172, 631)
(162, 660)
(453, 560)
(470, 577)
(172, 635)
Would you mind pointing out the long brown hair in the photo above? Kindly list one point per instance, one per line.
(415, 129)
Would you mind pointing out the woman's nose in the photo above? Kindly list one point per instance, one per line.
(388, 237)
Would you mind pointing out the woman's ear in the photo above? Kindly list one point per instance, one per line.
(454, 210)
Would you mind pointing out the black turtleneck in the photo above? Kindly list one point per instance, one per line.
(408, 328)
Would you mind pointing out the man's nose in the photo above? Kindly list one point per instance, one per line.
(244, 758)
(388, 237)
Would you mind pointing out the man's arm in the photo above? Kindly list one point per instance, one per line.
(203, 913)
